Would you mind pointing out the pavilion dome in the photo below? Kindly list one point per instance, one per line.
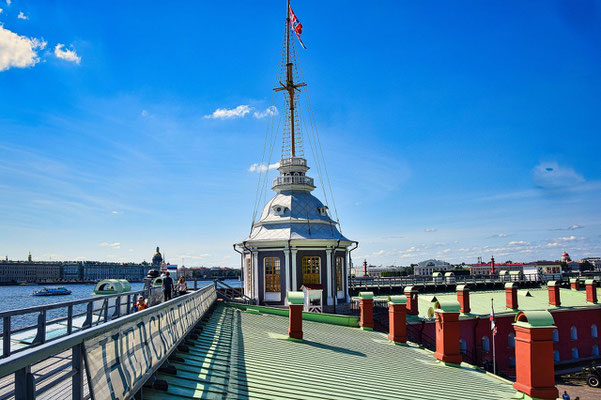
(295, 214)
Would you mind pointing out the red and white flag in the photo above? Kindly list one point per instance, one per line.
(296, 26)
(493, 324)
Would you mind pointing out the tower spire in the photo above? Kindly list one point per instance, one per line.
(290, 86)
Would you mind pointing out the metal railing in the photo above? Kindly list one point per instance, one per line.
(57, 320)
(84, 342)
(417, 280)
(232, 294)
(293, 180)
(293, 161)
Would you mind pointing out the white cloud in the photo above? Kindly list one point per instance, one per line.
(574, 227)
(8, 2)
(269, 112)
(144, 113)
(22, 16)
(114, 245)
(568, 239)
(499, 235)
(66, 54)
(1, 10)
(261, 168)
(550, 175)
(225, 113)
(517, 243)
(130, 250)
(430, 230)
(115, 212)
(18, 51)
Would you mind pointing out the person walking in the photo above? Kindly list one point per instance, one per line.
(167, 287)
(565, 395)
(182, 286)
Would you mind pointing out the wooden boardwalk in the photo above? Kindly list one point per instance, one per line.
(46, 373)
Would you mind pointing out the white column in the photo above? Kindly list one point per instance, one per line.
(330, 300)
(294, 284)
(286, 271)
(256, 275)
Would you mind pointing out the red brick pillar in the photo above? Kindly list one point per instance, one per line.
(397, 319)
(591, 291)
(511, 295)
(554, 297)
(463, 297)
(574, 284)
(366, 305)
(534, 369)
(447, 333)
(411, 293)
(296, 302)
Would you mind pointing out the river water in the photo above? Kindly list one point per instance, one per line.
(18, 297)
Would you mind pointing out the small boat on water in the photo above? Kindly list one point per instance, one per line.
(51, 291)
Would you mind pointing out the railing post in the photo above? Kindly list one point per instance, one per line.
(89, 314)
(105, 305)
(40, 337)
(195, 284)
(69, 319)
(6, 336)
(117, 312)
(77, 366)
(129, 306)
(24, 384)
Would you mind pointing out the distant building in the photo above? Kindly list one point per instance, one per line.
(595, 261)
(427, 267)
(493, 268)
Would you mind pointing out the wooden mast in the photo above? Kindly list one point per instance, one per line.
(290, 87)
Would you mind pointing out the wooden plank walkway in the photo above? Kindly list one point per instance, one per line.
(46, 372)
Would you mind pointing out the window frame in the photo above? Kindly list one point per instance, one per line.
(311, 264)
(339, 273)
(272, 279)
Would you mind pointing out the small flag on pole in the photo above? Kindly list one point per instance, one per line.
(296, 26)
(493, 324)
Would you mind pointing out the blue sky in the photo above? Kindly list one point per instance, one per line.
(451, 130)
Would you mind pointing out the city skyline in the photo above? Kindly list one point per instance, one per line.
(452, 132)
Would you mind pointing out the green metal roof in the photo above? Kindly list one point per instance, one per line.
(534, 319)
(538, 300)
(242, 355)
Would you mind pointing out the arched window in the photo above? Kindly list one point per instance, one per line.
(574, 333)
(462, 346)
(311, 267)
(485, 343)
(339, 272)
(556, 355)
(574, 353)
(272, 274)
(511, 340)
(595, 350)
(555, 335)
(594, 332)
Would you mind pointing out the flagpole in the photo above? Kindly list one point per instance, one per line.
(494, 358)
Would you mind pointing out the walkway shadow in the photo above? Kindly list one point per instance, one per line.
(336, 349)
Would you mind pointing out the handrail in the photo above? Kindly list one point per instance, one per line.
(43, 322)
(20, 363)
(65, 304)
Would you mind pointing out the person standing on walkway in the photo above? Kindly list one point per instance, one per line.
(182, 286)
(167, 287)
